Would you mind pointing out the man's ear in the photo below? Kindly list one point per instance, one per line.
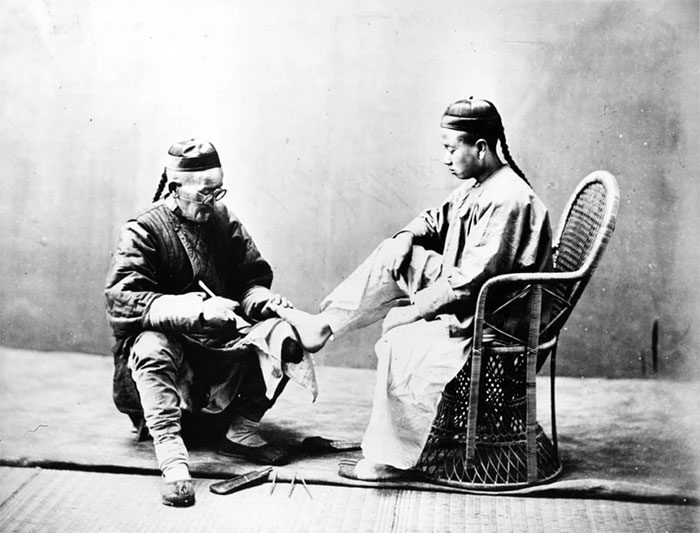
(172, 186)
(481, 148)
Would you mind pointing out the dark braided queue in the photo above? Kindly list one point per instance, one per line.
(509, 158)
(161, 186)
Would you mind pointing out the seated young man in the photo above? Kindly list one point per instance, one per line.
(189, 303)
(424, 282)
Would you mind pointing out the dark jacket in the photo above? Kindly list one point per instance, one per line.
(159, 253)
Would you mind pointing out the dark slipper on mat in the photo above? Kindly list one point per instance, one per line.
(178, 493)
(319, 445)
(262, 455)
(348, 469)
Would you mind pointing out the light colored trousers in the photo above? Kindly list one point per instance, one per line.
(168, 373)
(414, 361)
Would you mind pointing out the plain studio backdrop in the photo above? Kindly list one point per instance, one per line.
(326, 116)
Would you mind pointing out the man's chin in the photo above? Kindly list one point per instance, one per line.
(202, 216)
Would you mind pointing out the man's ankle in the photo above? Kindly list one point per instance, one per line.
(176, 472)
(244, 431)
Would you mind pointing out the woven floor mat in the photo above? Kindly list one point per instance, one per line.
(51, 500)
(619, 439)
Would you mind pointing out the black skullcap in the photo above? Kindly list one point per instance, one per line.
(471, 114)
(192, 155)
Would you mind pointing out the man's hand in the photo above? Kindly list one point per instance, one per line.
(275, 302)
(396, 253)
(218, 312)
(399, 316)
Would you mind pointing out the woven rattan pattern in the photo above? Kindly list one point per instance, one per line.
(501, 438)
(578, 236)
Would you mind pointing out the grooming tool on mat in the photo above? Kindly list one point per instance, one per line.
(306, 487)
(274, 482)
(291, 486)
(295, 477)
(241, 482)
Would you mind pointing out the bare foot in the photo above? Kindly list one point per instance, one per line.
(312, 330)
(366, 470)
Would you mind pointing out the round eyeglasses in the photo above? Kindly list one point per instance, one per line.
(218, 194)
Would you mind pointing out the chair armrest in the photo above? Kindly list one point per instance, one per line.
(525, 278)
(522, 279)
(542, 278)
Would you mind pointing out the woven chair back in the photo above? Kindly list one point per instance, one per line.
(582, 236)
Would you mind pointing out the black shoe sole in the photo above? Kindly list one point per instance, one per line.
(254, 454)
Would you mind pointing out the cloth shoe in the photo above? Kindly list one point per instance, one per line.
(179, 493)
(267, 454)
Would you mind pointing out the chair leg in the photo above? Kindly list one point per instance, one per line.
(531, 424)
(535, 306)
(552, 397)
(473, 410)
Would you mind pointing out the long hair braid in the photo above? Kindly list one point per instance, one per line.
(161, 186)
(509, 158)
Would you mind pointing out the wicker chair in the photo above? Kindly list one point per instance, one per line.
(500, 445)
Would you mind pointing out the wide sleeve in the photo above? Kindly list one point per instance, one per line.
(131, 284)
(499, 237)
(430, 227)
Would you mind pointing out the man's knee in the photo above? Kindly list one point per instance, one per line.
(156, 351)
